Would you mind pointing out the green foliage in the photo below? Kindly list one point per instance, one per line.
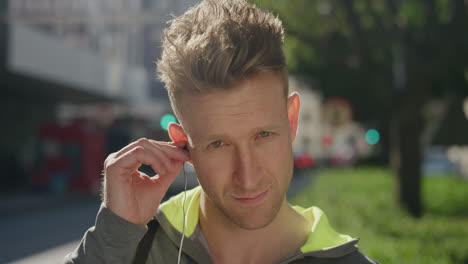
(295, 46)
(360, 202)
(349, 47)
(413, 12)
(445, 190)
(443, 11)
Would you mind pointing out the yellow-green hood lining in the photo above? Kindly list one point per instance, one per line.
(321, 236)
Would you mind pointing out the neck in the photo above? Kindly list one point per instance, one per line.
(229, 243)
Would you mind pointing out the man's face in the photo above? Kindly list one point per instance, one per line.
(241, 148)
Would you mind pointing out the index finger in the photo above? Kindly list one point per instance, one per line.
(174, 150)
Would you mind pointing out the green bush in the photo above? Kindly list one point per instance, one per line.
(361, 203)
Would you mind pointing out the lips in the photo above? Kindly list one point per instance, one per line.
(252, 200)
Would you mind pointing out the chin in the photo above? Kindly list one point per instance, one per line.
(255, 218)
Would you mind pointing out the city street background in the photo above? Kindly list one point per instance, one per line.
(382, 145)
(45, 234)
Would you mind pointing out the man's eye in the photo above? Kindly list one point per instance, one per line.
(264, 134)
(216, 144)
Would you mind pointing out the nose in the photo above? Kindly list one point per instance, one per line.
(247, 172)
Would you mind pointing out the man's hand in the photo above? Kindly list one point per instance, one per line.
(133, 195)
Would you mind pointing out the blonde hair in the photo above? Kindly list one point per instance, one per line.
(217, 43)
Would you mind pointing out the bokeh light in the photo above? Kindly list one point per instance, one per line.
(166, 119)
(372, 136)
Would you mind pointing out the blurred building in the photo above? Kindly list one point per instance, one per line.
(445, 141)
(93, 58)
(327, 133)
(310, 119)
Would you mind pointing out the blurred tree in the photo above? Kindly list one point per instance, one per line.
(388, 57)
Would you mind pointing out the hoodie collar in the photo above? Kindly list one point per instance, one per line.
(321, 236)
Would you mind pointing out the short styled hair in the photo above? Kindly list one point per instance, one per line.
(217, 43)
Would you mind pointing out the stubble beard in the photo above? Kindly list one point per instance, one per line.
(252, 218)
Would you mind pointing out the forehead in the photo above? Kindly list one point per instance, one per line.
(254, 103)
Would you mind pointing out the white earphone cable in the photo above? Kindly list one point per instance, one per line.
(183, 211)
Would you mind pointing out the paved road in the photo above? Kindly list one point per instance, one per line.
(50, 232)
(43, 229)
(49, 256)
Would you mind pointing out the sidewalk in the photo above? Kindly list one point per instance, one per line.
(12, 204)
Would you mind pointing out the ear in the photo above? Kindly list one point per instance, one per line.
(177, 134)
(294, 104)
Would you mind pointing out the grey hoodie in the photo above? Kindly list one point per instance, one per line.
(114, 240)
